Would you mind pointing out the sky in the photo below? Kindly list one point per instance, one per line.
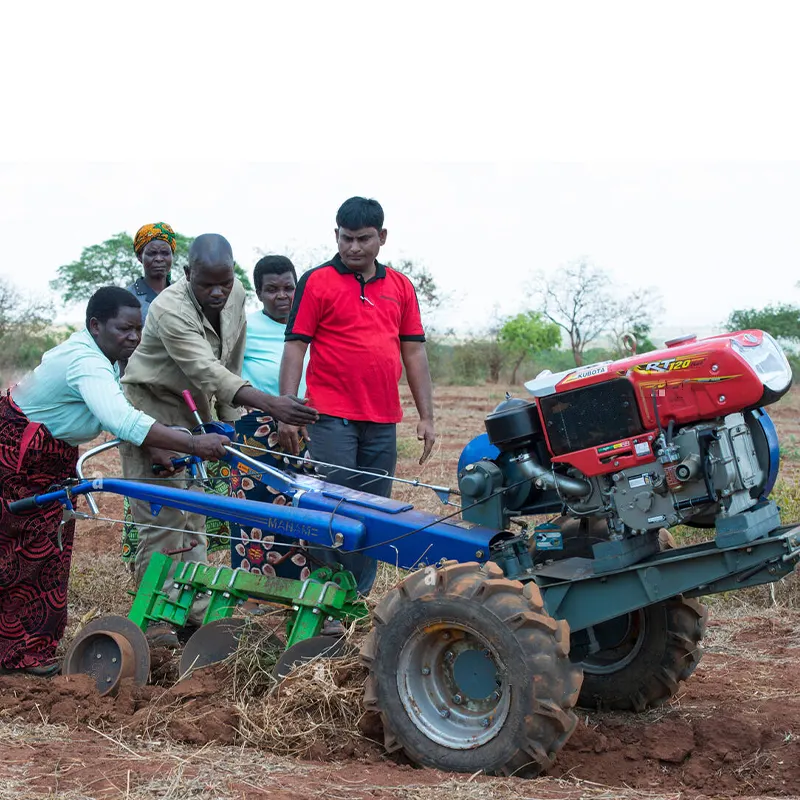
(504, 140)
(708, 238)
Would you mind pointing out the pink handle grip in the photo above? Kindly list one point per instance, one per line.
(187, 396)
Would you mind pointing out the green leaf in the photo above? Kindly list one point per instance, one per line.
(529, 333)
(782, 321)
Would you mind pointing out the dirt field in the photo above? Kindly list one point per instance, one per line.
(733, 729)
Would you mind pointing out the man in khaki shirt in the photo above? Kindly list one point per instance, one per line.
(193, 339)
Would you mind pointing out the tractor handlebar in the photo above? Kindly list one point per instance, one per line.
(21, 506)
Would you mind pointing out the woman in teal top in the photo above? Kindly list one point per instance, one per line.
(71, 397)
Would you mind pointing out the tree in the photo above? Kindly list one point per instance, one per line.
(429, 295)
(584, 304)
(632, 315)
(782, 321)
(25, 328)
(114, 262)
(496, 355)
(525, 335)
(577, 302)
(18, 311)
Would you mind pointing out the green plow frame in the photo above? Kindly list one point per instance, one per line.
(325, 594)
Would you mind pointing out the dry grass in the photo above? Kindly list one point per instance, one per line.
(250, 666)
(143, 770)
(387, 578)
(315, 711)
(550, 789)
(783, 594)
(99, 583)
(150, 770)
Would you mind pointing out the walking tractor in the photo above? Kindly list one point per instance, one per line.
(479, 656)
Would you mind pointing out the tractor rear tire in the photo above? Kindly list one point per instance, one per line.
(469, 672)
(657, 648)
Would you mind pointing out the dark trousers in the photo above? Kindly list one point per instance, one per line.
(357, 445)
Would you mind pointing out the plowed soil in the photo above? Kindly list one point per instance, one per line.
(732, 731)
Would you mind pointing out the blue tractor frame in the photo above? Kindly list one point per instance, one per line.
(396, 533)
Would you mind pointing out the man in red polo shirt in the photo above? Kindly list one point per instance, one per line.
(362, 321)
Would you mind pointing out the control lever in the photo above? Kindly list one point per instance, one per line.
(189, 400)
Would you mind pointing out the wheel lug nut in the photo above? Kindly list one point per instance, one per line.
(457, 699)
(445, 636)
(448, 656)
(484, 723)
(426, 670)
(496, 695)
(444, 713)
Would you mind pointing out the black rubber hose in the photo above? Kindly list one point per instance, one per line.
(703, 440)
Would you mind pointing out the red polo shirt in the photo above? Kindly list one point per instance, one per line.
(355, 329)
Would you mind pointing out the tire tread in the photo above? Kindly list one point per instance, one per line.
(549, 719)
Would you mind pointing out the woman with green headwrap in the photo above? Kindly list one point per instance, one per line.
(155, 245)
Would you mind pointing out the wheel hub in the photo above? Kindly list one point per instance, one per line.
(453, 686)
(109, 649)
(620, 640)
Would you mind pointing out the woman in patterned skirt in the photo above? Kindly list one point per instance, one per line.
(261, 551)
(71, 397)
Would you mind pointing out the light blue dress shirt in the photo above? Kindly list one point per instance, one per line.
(263, 352)
(75, 393)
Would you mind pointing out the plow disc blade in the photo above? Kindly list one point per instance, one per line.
(308, 649)
(215, 641)
(211, 643)
(109, 649)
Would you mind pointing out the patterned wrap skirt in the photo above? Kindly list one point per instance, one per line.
(264, 552)
(34, 566)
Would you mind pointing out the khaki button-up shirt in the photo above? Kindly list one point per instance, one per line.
(181, 350)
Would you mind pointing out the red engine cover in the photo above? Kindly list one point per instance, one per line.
(692, 380)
